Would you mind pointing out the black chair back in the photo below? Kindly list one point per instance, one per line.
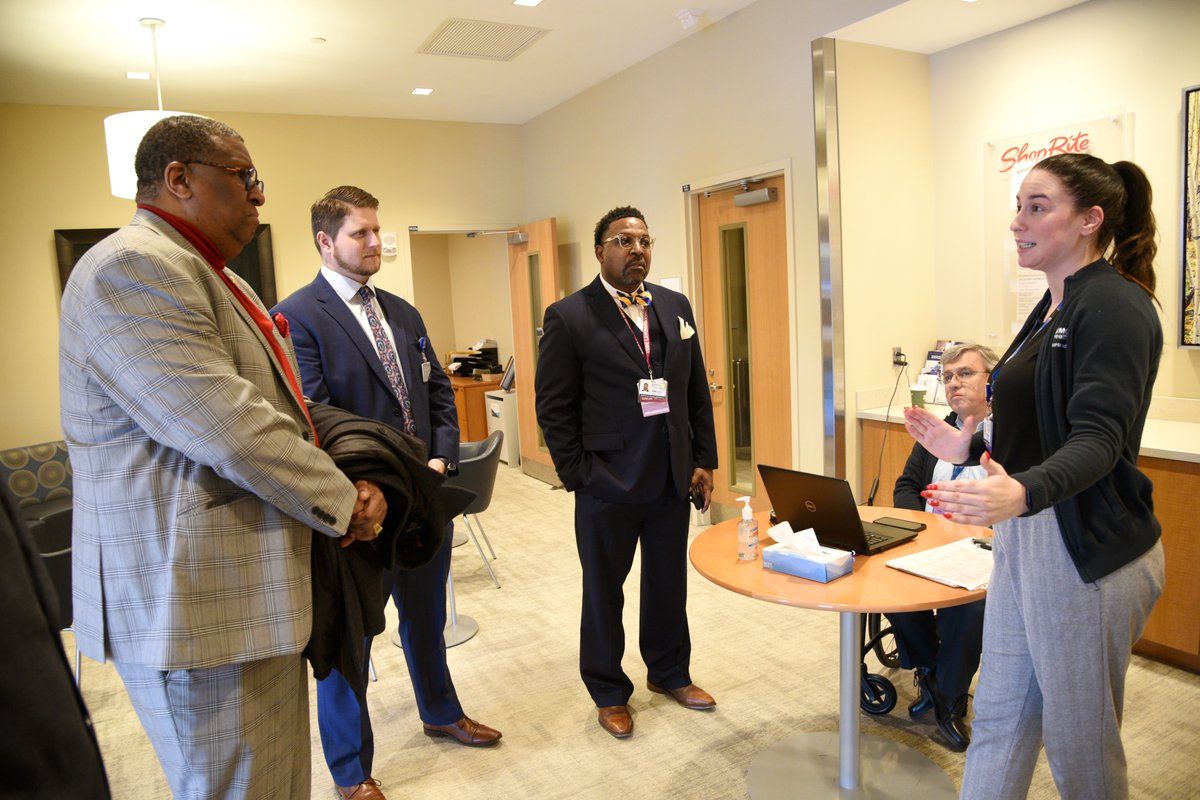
(477, 465)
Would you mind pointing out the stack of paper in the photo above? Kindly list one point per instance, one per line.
(959, 563)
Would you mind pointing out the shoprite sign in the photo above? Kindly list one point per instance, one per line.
(1030, 152)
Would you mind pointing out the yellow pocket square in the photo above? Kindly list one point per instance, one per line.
(685, 331)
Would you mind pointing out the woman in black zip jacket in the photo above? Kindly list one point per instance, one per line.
(1078, 562)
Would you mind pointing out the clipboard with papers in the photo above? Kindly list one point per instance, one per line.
(960, 563)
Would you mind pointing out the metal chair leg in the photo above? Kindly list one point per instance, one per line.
(479, 547)
(371, 669)
(479, 522)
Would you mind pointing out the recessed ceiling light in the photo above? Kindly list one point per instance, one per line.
(530, 3)
(138, 76)
(420, 90)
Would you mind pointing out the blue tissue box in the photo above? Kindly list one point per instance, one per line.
(780, 558)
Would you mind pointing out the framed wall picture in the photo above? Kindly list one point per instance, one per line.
(1189, 331)
(70, 245)
(255, 264)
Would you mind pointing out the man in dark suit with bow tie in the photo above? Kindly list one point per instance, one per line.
(624, 405)
(367, 351)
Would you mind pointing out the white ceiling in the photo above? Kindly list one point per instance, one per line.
(257, 55)
(930, 26)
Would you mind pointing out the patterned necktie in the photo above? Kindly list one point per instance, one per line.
(391, 365)
(641, 297)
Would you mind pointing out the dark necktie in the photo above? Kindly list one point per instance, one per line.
(391, 365)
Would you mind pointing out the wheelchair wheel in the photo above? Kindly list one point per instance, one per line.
(878, 695)
(883, 644)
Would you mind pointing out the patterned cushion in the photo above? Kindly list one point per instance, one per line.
(37, 473)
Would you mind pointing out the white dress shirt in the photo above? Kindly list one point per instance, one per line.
(347, 290)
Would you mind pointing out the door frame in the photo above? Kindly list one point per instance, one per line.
(692, 191)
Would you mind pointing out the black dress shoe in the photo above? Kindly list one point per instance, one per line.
(952, 723)
(923, 680)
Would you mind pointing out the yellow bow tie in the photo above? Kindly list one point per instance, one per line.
(640, 297)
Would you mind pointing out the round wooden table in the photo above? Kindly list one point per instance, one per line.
(823, 764)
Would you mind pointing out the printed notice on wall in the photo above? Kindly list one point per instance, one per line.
(1013, 292)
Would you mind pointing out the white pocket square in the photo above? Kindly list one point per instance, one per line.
(685, 331)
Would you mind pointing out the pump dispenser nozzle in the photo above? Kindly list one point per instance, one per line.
(747, 512)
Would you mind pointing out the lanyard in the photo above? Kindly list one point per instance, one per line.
(643, 345)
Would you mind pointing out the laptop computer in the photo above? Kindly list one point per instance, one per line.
(827, 506)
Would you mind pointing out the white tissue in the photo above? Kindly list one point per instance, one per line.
(803, 542)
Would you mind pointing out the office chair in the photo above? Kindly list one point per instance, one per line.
(477, 466)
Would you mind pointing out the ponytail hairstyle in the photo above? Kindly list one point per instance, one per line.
(1123, 192)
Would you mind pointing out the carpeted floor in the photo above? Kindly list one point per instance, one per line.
(773, 670)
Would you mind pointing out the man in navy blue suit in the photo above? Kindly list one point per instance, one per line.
(366, 350)
(623, 401)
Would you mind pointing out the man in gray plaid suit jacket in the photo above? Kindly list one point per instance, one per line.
(197, 480)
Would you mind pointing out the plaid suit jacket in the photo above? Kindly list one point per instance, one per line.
(195, 488)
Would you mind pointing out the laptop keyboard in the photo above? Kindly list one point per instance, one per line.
(874, 538)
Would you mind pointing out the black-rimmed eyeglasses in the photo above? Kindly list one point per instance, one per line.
(249, 175)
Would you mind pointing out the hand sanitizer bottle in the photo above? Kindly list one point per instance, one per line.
(747, 533)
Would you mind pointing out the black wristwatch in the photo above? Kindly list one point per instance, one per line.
(448, 464)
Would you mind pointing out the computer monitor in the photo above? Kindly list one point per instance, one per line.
(509, 376)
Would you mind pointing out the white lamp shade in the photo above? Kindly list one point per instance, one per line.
(123, 133)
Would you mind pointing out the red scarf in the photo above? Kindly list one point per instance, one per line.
(255, 309)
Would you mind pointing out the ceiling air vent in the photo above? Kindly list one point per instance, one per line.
(472, 38)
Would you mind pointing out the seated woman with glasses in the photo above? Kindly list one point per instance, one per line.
(943, 649)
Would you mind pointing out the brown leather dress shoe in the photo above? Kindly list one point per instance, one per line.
(467, 731)
(367, 790)
(616, 720)
(690, 696)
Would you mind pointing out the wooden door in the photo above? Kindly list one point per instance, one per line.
(534, 284)
(743, 266)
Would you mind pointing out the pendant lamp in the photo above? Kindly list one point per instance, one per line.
(123, 132)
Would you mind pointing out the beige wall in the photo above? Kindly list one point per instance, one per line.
(1084, 63)
(887, 166)
(479, 283)
(54, 173)
(461, 289)
(432, 294)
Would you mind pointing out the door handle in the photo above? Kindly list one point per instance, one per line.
(712, 387)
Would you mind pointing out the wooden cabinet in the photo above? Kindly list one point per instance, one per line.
(472, 407)
(896, 445)
(1172, 633)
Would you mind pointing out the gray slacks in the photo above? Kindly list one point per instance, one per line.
(1055, 653)
(233, 731)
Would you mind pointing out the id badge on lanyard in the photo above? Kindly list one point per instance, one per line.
(652, 391)
(652, 396)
